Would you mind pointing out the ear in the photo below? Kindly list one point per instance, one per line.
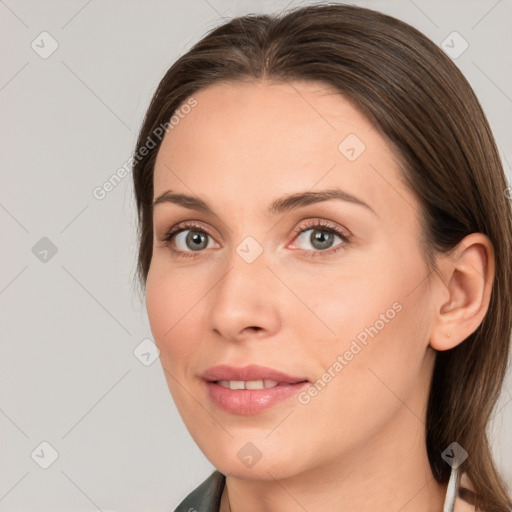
(464, 291)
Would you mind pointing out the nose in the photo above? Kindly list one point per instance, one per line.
(244, 303)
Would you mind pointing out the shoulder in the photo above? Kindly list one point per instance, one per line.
(206, 496)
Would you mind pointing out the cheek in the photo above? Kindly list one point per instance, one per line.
(170, 305)
(363, 386)
(378, 317)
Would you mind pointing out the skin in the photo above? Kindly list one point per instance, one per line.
(359, 443)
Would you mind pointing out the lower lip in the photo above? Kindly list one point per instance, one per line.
(251, 401)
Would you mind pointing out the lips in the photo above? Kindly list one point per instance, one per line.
(249, 373)
(251, 389)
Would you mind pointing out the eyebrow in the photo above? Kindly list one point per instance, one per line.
(280, 205)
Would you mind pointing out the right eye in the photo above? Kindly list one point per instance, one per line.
(190, 238)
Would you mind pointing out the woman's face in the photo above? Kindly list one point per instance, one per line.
(332, 291)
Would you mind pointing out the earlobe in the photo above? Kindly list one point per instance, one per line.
(468, 275)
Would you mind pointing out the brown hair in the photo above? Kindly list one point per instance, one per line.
(424, 107)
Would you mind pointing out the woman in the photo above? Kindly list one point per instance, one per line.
(325, 246)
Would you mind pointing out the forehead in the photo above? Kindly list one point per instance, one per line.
(258, 139)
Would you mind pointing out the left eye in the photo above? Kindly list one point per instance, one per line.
(321, 239)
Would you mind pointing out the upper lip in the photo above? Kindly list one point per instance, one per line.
(251, 372)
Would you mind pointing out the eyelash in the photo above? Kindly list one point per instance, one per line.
(317, 223)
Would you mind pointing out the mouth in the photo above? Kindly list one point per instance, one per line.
(251, 389)
(252, 384)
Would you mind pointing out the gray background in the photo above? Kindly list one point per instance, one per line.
(72, 320)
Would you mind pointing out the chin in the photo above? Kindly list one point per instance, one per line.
(254, 461)
(260, 470)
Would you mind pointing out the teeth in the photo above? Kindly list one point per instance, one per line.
(247, 384)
